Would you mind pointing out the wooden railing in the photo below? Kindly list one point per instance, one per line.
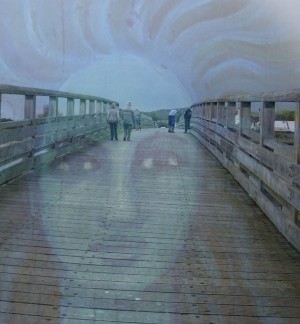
(241, 132)
(68, 121)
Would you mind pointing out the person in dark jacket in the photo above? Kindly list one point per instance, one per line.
(187, 119)
(112, 119)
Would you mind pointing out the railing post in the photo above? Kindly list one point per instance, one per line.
(297, 134)
(245, 116)
(267, 120)
(225, 114)
(92, 107)
(208, 112)
(218, 113)
(82, 107)
(98, 107)
(70, 107)
(237, 116)
(105, 108)
(231, 114)
(214, 112)
(296, 213)
(30, 107)
(202, 111)
(102, 107)
(0, 105)
(221, 113)
(53, 106)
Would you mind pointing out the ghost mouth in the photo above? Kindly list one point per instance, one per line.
(120, 252)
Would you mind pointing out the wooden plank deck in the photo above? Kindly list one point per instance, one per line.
(148, 231)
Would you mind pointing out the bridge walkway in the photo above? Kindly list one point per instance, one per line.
(153, 230)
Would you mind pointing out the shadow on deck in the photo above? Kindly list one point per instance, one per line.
(149, 231)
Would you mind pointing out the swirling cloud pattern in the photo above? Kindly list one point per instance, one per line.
(158, 53)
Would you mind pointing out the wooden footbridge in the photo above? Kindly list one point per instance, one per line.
(154, 230)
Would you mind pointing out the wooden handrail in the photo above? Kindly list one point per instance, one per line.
(11, 89)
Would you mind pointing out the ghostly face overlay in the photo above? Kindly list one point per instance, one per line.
(118, 210)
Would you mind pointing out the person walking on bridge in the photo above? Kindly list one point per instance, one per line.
(112, 119)
(137, 119)
(187, 119)
(128, 121)
(171, 120)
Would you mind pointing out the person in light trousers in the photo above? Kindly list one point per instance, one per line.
(128, 121)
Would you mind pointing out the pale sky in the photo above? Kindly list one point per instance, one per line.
(156, 53)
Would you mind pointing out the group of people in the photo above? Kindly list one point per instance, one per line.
(187, 120)
(131, 119)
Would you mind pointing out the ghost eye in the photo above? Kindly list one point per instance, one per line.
(87, 166)
(148, 163)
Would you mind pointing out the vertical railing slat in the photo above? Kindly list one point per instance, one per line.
(92, 107)
(231, 109)
(70, 107)
(267, 120)
(30, 107)
(82, 107)
(297, 134)
(53, 106)
(245, 116)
